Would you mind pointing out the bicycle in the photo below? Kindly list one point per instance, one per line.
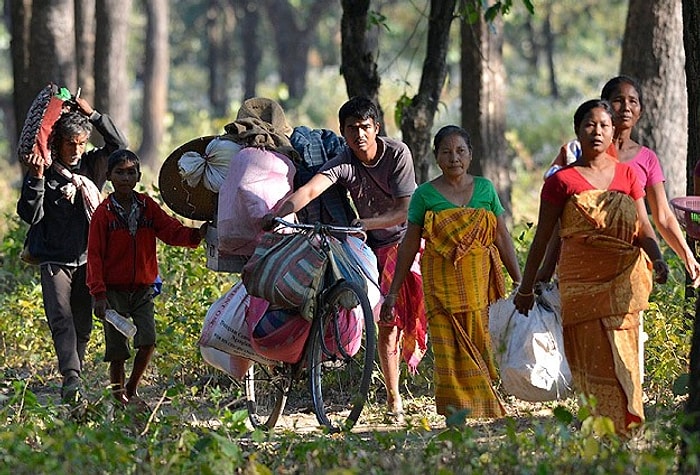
(338, 376)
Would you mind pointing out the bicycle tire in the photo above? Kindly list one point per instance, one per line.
(346, 378)
(266, 390)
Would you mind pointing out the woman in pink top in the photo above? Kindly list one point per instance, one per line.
(625, 96)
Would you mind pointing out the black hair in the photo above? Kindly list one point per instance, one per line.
(448, 130)
(614, 84)
(69, 125)
(586, 107)
(120, 156)
(359, 107)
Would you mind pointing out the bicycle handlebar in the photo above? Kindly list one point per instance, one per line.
(322, 227)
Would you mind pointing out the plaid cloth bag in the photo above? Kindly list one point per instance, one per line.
(287, 270)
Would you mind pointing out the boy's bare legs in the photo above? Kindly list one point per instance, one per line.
(388, 349)
(141, 360)
(116, 379)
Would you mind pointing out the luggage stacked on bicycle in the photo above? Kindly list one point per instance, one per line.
(336, 348)
(232, 180)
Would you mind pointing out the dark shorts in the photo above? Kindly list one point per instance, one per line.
(138, 306)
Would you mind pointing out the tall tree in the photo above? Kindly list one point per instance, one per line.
(294, 31)
(221, 22)
(20, 15)
(248, 15)
(691, 40)
(483, 102)
(111, 77)
(657, 29)
(85, 46)
(52, 45)
(155, 80)
(359, 51)
(418, 115)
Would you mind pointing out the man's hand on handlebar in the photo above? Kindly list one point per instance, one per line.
(268, 221)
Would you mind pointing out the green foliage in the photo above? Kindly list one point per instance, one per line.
(195, 426)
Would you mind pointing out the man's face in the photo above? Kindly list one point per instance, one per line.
(71, 149)
(361, 137)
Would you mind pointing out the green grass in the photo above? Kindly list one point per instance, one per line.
(196, 423)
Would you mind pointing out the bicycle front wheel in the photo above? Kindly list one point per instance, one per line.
(341, 356)
(266, 390)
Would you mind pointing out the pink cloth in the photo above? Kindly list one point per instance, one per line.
(277, 334)
(410, 306)
(257, 179)
(647, 167)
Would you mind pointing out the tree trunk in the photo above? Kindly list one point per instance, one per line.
(85, 47)
(20, 18)
(51, 46)
(248, 19)
(691, 40)
(483, 104)
(221, 22)
(549, 49)
(358, 49)
(248, 15)
(111, 78)
(155, 81)
(293, 40)
(417, 118)
(656, 28)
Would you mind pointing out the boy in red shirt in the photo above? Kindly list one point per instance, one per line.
(122, 266)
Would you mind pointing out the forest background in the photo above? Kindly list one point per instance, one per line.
(169, 72)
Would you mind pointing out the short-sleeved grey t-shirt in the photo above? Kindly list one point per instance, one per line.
(375, 188)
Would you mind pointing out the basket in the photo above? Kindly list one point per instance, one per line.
(687, 210)
(197, 203)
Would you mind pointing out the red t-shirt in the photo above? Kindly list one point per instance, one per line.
(568, 182)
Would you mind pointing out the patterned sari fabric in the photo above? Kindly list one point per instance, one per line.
(605, 281)
(462, 275)
(410, 308)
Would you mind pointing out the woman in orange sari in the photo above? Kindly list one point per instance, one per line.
(604, 277)
(466, 242)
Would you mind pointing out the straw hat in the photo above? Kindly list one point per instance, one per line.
(197, 203)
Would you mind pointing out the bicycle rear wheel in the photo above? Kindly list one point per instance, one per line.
(341, 356)
(266, 390)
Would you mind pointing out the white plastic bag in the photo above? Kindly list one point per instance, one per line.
(225, 327)
(236, 366)
(210, 168)
(529, 350)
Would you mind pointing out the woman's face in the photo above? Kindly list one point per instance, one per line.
(453, 155)
(596, 131)
(626, 105)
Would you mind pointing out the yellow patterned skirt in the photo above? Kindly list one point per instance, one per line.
(461, 275)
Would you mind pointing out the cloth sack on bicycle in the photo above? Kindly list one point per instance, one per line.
(225, 326)
(256, 180)
(529, 350)
(278, 334)
(287, 270)
(233, 365)
(353, 261)
(349, 334)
